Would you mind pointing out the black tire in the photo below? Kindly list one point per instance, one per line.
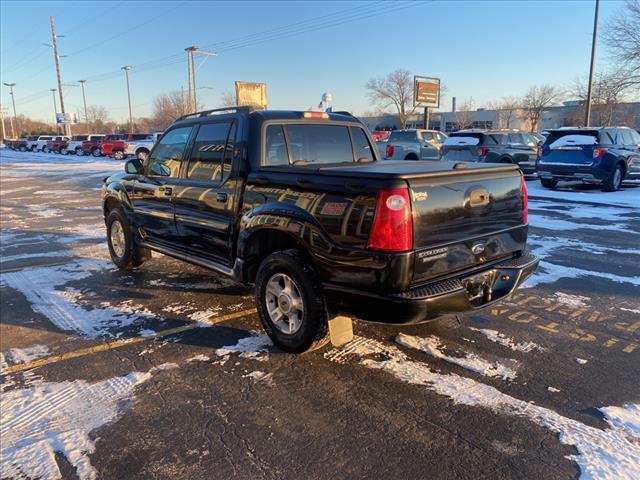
(23, 148)
(314, 329)
(45, 149)
(128, 255)
(548, 183)
(96, 152)
(613, 183)
(119, 155)
(79, 151)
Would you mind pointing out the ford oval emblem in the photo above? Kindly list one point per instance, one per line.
(478, 248)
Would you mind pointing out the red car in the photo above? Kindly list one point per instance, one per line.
(56, 144)
(115, 145)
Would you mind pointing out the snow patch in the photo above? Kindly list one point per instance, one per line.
(29, 354)
(625, 419)
(58, 417)
(581, 361)
(553, 389)
(199, 358)
(253, 347)
(632, 310)
(575, 301)
(602, 454)
(432, 346)
(502, 339)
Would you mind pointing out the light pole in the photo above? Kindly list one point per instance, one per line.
(84, 101)
(587, 117)
(126, 69)
(13, 101)
(55, 107)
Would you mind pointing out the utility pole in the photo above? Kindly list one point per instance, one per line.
(126, 69)
(84, 101)
(55, 108)
(587, 117)
(56, 59)
(191, 52)
(15, 117)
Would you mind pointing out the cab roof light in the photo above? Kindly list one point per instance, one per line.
(315, 115)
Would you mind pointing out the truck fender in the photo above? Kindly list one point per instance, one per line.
(290, 220)
(115, 197)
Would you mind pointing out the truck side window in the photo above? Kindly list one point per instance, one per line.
(361, 146)
(167, 156)
(207, 156)
(313, 144)
(276, 147)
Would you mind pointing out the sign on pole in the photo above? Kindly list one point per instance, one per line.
(426, 92)
(251, 94)
(66, 118)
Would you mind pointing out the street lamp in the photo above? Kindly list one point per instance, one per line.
(84, 101)
(13, 101)
(55, 107)
(126, 69)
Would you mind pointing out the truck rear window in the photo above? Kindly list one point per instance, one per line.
(308, 144)
(571, 137)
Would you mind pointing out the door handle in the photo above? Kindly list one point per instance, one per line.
(221, 197)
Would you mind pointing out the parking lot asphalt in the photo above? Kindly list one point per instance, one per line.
(164, 372)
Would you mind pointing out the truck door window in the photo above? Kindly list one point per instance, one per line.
(276, 147)
(207, 156)
(312, 144)
(361, 146)
(166, 157)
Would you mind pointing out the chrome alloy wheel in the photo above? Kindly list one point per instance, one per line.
(284, 303)
(617, 178)
(117, 238)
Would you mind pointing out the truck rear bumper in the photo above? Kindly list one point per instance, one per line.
(469, 292)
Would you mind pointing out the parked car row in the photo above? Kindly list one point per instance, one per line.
(601, 155)
(118, 146)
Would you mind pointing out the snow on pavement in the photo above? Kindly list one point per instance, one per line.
(58, 417)
(609, 454)
(502, 339)
(627, 196)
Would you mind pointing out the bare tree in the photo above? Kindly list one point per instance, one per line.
(394, 90)
(622, 36)
(536, 101)
(228, 99)
(508, 109)
(609, 90)
(169, 106)
(464, 116)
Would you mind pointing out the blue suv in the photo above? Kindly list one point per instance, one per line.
(600, 155)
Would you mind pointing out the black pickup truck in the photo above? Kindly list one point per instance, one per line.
(299, 205)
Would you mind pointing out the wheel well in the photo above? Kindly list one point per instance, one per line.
(506, 160)
(411, 156)
(624, 167)
(264, 243)
(110, 204)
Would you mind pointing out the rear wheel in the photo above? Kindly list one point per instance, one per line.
(96, 152)
(79, 151)
(122, 248)
(23, 148)
(291, 303)
(548, 183)
(614, 182)
(118, 155)
(45, 149)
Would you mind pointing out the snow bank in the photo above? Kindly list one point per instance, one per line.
(58, 417)
(432, 346)
(611, 454)
(626, 418)
(29, 354)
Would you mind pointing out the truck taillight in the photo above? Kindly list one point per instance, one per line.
(392, 228)
(598, 152)
(525, 202)
(389, 150)
(483, 151)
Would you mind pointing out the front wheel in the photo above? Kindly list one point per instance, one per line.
(79, 151)
(23, 148)
(118, 155)
(291, 302)
(124, 252)
(548, 183)
(614, 182)
(45, 150)
(96, 152)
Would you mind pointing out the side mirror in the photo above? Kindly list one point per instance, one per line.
(133, 166)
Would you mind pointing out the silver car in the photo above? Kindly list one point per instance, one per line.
(414, 144)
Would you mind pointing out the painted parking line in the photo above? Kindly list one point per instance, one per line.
(122, 343)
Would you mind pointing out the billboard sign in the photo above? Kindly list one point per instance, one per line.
(66, 118)
(251, 94)
(426, 92)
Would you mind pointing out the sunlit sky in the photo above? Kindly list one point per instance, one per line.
(483, 50)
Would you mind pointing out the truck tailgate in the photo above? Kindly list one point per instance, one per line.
(461, 221)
